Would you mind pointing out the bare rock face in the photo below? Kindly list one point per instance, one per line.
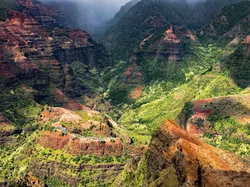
(82, 133)
(81, 146)
(176, 158)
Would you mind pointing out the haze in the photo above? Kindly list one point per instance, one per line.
(89, 14)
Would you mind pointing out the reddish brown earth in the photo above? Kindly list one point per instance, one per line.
(132, 75)
(137, 92)
(53, 140)
(236, 106)
(69, 127)
(73, 122)
(59, 115)
(36, 47)
(97, 128)
(111, 147)
(80, 146)
(187, 161)
(170, 46)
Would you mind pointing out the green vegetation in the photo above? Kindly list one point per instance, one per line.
(229, 135)
(19, 107)
(196, 77)
(52, 181)
(233, 14)
(207, 70)
(20, 161)
(237, 65)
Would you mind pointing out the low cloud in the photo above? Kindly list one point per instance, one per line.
(89, 14)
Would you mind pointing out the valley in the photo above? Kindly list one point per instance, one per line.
(159, 96)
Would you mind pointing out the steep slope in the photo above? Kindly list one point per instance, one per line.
(175, 158)
(56, 78)
(149, 16)
(44, 64)
(143, 19)
(221, 121)
(31, 51)
(231, 27)
(123, 10)
(47, 16)
(230, 19)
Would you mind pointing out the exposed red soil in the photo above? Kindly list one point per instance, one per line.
(60, 115)
(26, 43)
(193, 159)
(78, 146)
(96, 147)
(53, 140)
(14, 34)
(170, 37)
(200, 103)
(137, 92)
(132, 74)
(236, 106)
(73, 122)
(194, 129)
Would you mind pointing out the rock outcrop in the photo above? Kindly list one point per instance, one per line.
(192, 162)
(176, 158)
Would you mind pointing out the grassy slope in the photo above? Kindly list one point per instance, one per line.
(198, 76)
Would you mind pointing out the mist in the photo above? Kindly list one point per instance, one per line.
(89, 14)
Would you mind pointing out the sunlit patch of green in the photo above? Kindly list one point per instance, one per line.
(230, 135)
(86, 116)
(165, 99)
